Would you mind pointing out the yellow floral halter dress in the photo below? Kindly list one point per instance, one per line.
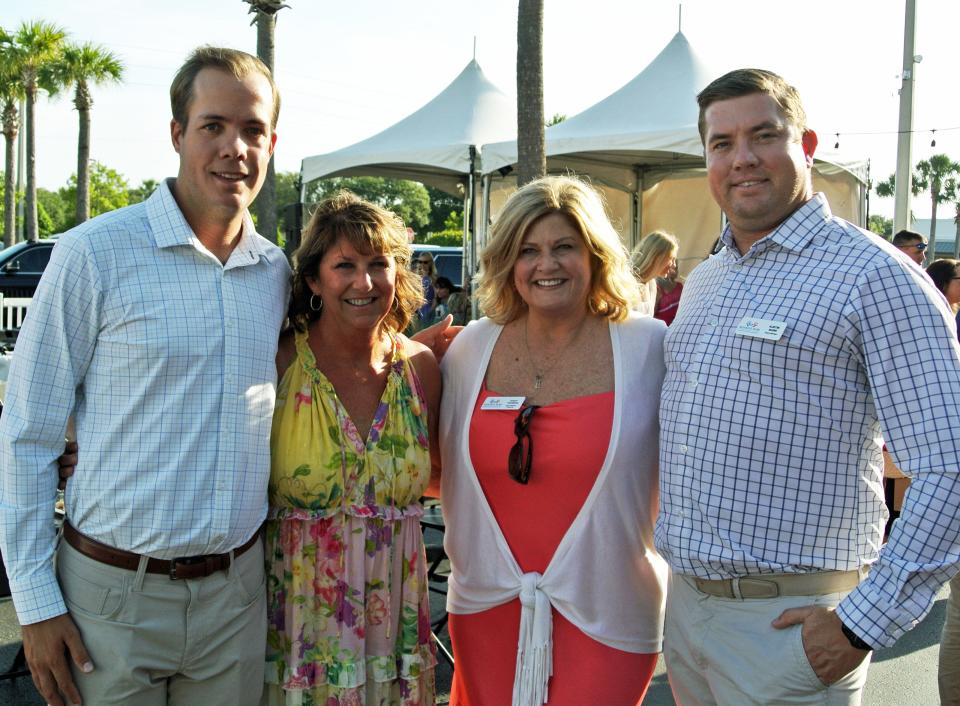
(348, 612)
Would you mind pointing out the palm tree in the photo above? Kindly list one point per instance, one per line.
(937, 176)
(531, 160)
(36, 44)
(265, 16)
(79, 65)
(11, 91)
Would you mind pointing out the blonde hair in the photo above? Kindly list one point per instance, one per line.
(613, 290)
(368, 228)
(651, 252)
(432, 273)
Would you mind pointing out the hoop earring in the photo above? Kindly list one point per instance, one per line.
(314, 307)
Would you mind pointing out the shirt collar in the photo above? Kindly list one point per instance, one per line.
(793, 234)
(170, 227)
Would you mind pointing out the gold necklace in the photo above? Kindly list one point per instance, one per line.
(539, 375)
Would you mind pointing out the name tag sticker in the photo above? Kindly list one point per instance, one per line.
(761, 328)
(499, 403)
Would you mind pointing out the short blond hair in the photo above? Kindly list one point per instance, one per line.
(650, 251)
(613, 289)
(233, 61)
(368, 228)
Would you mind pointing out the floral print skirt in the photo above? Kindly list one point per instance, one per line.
(348, 612)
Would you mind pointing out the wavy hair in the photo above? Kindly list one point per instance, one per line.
(368, 228)
(650, 252)
(613, 289)
(942, 271)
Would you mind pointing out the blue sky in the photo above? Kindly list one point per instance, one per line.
(348, 70)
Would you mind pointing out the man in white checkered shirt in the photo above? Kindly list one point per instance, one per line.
(794, 348)
(157, 325)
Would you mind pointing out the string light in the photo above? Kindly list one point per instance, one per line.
(836, 145)
(933, 142)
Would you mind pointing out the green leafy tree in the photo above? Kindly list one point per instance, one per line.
(531, 157)
(442, 205)
(11, 91)
(938, 177)
(408, 199)
(265, 12)
(288, 192)
(556, 119)
(880, 225)
(80, 65)
(54, 214)
(36, 45)
(142, 192)
(109, 191)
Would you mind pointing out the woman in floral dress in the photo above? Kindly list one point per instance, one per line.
(355, 424)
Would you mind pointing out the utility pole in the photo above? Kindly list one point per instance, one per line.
(903, 181)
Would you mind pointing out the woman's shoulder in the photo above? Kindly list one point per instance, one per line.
(638, 325)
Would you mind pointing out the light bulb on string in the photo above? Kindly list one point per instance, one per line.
(933, 142)
(836, 145)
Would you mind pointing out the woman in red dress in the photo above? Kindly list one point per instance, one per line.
(549, 444)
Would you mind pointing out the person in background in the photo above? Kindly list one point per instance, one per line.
(653, 257)
(427, 269)
(791, 350)
(355, 425)
(945, 274)
(914, 245)
(669, 290)
(549, 436)
(443, 288)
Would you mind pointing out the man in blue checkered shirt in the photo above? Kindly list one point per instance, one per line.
(795, 347)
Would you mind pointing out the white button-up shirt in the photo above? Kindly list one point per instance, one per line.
(166, 357)
(771, 446)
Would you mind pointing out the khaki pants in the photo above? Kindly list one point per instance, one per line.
(948, 675)
(155, 641)
(724, 652)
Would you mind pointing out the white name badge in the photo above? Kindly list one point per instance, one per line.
(761, 328)
(503, 403)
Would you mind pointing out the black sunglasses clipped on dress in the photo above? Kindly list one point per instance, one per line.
(521, 454)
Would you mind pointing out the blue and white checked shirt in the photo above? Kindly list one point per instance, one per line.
(770, 454)
(166, 356)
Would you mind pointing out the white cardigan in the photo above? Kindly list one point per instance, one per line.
(605, 576)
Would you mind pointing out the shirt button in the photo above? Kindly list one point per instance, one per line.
(693, 382)
(229, 323)
(683, 448)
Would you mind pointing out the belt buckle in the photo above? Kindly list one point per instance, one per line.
(757, 587)
(186, 561)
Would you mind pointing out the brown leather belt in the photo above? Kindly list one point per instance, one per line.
(774, 585)
(190, 567)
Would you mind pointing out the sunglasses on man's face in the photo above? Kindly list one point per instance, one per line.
(920, 246)
(521, 453)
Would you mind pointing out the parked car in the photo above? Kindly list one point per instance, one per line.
(21, 266)
(447, 258)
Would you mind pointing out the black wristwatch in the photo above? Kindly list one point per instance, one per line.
(854, 640)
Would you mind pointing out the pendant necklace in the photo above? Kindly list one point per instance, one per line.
(539, 375)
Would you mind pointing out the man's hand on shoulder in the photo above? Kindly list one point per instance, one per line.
(828, 650)
(46, 645)
(438, 337)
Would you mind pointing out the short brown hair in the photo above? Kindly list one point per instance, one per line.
(613, 290)
(745, 82)
(368, 228)
(233, 61)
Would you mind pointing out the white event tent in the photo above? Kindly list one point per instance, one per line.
(438, 145)
(641, 146)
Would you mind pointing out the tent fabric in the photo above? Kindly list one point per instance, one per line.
(641, 147)
(432, 145)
